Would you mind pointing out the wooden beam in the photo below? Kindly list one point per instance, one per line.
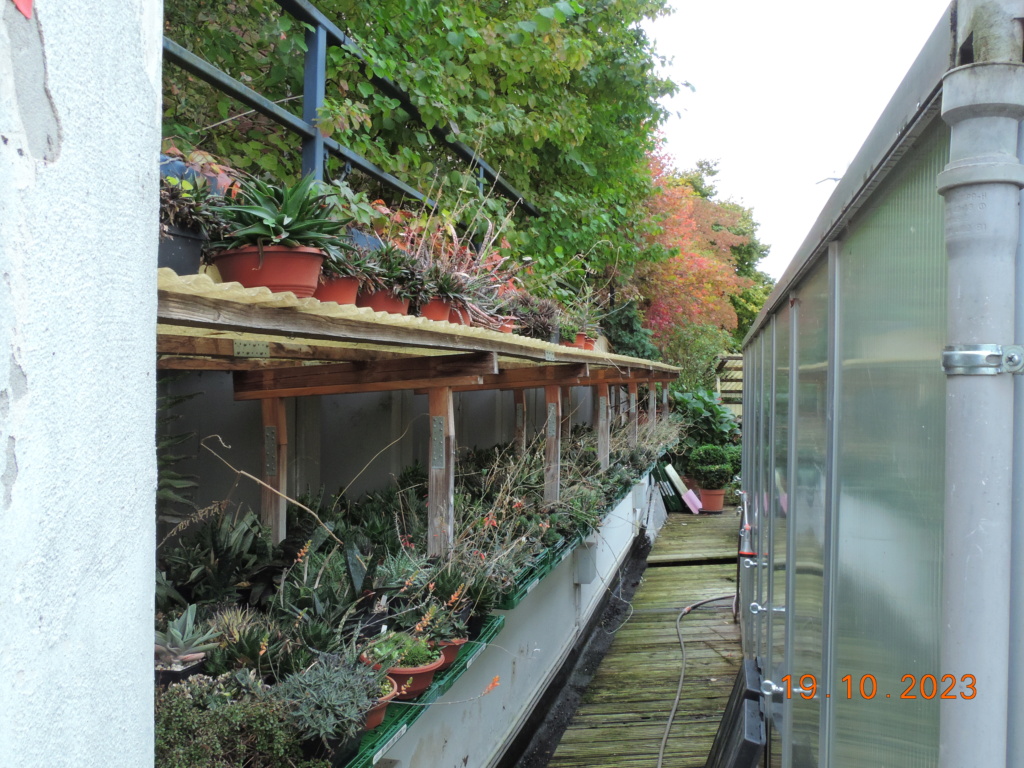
(206, 346)
(552, 444)
(519, 398)
(633, 414)
(533, 377)
(275, 467)
(341, 378)
(441, 478)
(190, 311)
(603, 428)
(171, 363)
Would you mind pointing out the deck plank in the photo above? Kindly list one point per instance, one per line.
(621, 718)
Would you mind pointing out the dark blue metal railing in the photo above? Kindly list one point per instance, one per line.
(315, 146)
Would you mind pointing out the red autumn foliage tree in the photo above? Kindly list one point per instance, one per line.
(693, 285)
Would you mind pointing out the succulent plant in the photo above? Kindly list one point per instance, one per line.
(183, 641)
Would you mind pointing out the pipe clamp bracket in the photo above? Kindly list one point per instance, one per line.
(982, 359)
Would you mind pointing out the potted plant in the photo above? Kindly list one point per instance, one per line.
(395, 282)
(341, 278)
(409, 660)
(181, 648)
(375, 715)
(709, 467)
(329, 702)
(185, 219)
(276, 237)
(445, 291)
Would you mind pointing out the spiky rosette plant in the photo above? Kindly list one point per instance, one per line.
(266, 214)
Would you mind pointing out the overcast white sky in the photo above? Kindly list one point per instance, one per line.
(786, 93)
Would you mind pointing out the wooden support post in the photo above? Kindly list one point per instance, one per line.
(519, 398)
(664, 400)
(602, 426)
(566, 412)
(552, 447)
(275, 467)
(633, 414)
(441, 479)
(652, 402)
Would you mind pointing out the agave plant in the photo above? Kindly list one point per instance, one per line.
(184, 641)
(291, 216)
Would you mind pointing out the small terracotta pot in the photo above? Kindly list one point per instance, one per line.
(383, 301)
(459, 316)
(589, 343)
(436, 309)
(712, 501)
(280, 269)
(507, 327)
(376, 714)
(341, 290)
(450, 650)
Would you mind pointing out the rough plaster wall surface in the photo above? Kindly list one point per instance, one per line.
(79, 137)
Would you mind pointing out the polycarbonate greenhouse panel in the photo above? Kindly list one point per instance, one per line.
(778, 494)
(808, 507)
(890, 460)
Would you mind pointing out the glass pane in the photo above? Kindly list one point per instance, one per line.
(807, 514)
(890, 451)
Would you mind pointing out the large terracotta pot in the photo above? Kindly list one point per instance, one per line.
(376, 714)
(712, 501)
(436, 309)
(383, 301)
(412, 681)
(280, 269)
(341, 290)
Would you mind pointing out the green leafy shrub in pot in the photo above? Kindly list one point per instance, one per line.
(734, 453)
(206, 722)
(709, 466)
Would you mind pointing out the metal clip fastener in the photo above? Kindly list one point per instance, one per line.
(756, 608)
(982, 359)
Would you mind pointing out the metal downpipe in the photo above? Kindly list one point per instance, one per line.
(983, 104)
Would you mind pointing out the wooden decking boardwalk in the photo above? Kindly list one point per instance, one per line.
(621, 719)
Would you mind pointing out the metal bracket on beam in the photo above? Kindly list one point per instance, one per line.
(437, 457)
(270, 451)
(982, 359)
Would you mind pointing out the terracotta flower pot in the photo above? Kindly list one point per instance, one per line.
(450, 651)
(507, 327)
(412, 681)
(376, 714)
(383, 301)
(589, 343)
(436, 309)
(712, 501)
(280, 269)
(341, 290)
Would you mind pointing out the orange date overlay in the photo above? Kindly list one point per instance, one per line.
(927, 687)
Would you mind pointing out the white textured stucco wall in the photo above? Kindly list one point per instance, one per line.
(79, 138)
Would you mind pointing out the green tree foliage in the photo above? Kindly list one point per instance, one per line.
(561, 97)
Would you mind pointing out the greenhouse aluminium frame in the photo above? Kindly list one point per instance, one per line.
(884, 433)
